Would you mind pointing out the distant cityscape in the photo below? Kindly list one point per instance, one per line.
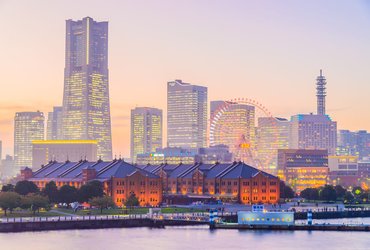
(305, 150)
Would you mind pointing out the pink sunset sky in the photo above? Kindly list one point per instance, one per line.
(270, 51)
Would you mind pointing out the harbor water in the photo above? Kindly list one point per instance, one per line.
(189, 237)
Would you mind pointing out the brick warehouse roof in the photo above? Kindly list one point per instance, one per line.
(225, 170)
(72, 171)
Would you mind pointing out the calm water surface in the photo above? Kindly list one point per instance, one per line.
(199, 237)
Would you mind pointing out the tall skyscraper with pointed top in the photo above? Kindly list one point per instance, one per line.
(86, 108)
(321, 93)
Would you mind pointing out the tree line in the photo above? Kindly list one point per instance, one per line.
(327, 193)
(334, 193)
(25, 194)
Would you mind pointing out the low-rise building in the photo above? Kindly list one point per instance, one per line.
(213, 154)
(44, 151)
(237, 181)
(364, 172)
(172, 155)
(343, 170)
(120, 179)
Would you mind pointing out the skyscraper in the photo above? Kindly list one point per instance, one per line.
(272, 134)
(313, 132)
(54, 124)
(186, 115)
(86, 109)
(146, 131)
(28, 126)
(310, 131)
(321, 93)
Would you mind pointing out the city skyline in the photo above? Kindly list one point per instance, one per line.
(254, 82)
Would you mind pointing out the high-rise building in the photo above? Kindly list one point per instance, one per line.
(272, 134)
(233, 124)
(7, 169)
(146, 131)
(313, 132)
(186, 115)
(310, 131)
(86, 109)
(320, 93)
(54, 124)
(28, 126)
(355, 143)
(303, 168)
(59, 150)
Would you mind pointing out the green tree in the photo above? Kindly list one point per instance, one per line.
(7, 188)
(286, 192)
(340, 191)
(51, 191)
(90, 190)
(348, 197)
(67, 194)
(102, 202)
(310, 194)
(9, 201)
(26, 187)
(35, 202)
(132, 201)
(327, 193)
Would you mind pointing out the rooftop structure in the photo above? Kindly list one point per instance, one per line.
(321, 93)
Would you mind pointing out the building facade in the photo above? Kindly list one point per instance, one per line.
(272, 134)
(120, 179)
(355, 143)
(62, 150)
(214, 154)
(313, 132)
(343, 170)
(86, 108)
(28, 126)
(146, 131)
(364, 172)
(236, 182)
(167, 155)
(186, 115)
(54, 124)
(303, 168)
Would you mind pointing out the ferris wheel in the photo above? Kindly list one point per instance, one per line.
(249, 130)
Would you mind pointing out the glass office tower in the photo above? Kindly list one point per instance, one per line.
(86, 109)
(28, 127)
(186, 115)
(146, 131)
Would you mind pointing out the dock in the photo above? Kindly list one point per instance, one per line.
(297, 227)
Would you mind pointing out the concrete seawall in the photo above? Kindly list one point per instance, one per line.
(90, 224)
